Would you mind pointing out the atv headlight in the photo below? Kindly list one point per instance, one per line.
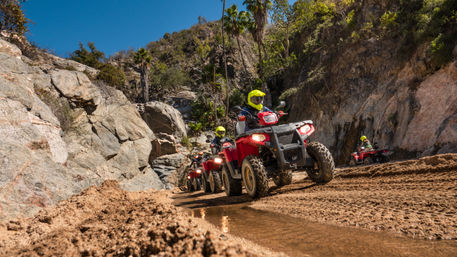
(218, 160)
(258, 137)
(198, 171)
(188, 177)
(305, 129)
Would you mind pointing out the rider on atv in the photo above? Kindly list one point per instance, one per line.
(217, 141)
(255, 105)
(366, 145)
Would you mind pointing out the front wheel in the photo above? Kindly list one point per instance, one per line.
(352, 162)
(215, 182)
(322, 172)
(254, 176)
(190, 187)
(284, 178)
(231, 186)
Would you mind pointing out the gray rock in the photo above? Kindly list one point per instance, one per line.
(163, 118)
(104, 136)
(76, 86)
(146, 180)
(30, 180)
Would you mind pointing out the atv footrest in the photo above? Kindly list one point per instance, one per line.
(289, 147)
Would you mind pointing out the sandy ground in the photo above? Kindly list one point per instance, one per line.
(106, 221)
(416, 198)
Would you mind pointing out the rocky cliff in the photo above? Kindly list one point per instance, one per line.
(61, 132)
(377, 85)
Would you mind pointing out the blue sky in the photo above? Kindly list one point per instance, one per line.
(113, 25)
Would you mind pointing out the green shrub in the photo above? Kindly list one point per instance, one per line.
(388, 20)
(112, 75)
(237, 98)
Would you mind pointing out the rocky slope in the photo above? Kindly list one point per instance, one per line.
(376, 86)
(62, 132)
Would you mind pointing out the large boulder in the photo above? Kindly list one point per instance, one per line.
(163, 118)
(169, 166)
(61, 133)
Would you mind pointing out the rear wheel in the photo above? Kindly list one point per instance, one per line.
(231, 186)
(385, 159)
(196, 184)
(284, 178)
(322, 172)
(205, 184)
(215, 182)
(254, 176)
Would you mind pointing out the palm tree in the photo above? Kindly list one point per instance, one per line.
(227, 88)
(236, 23)
(259, 10)
(144, 59)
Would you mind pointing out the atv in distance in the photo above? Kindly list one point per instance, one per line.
(212, 165)
(193, 182)
(368, 157)
(273, 151)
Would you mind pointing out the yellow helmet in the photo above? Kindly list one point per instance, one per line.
(255, 99)
(220, 131)
(363, 138)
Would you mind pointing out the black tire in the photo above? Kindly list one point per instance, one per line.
(190, 188)
(284, 178)
(231, 186)
(215, 182)
(385, 159)
(196, 184)
(352, 162)
(205, 184)
(367, 161)
(324, 164)
(254, 176)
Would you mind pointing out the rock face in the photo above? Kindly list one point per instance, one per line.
(62, 133)
(402, 105)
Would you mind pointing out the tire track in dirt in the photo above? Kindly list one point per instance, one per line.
(416, 198)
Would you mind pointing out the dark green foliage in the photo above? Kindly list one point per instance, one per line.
(163, 77)
(112, 75)
(12, 17)
(238, 98)
(92, 57)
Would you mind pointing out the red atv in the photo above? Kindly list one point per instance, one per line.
(194, 172)
(194, 180)
(367, 157)
(272, 151)
(211, 178)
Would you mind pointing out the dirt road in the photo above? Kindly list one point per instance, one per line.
(416, 198)
(396, 209)
(404, 208)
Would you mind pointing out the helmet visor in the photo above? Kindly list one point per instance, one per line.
(221, 133)
(257, 100)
